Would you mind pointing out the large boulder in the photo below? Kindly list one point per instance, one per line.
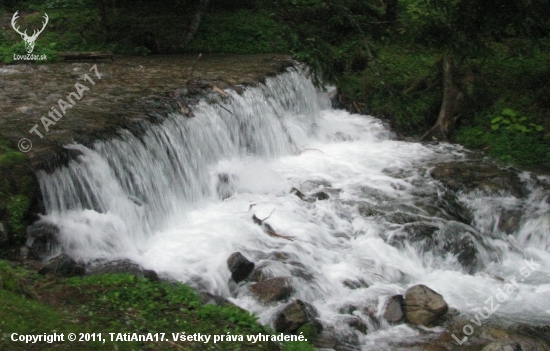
(64, 266)
(395, 309)
(239, 266)
(274, 289)
(122, 266)
(293, 316)
(481, 175)
(41, 239)
(423, 306)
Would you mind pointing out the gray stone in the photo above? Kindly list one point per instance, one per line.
(123, 266)
(395, 309)
(423, 306)
(64, 266)
(274, 289)
(321, 196)
(293, 316)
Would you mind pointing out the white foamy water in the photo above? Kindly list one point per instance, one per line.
(180, 200)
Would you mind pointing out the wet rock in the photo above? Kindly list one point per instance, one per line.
(63, 266)
(503, 346)
(239, 266)
(293, 316)
(466, 252)
(400, 217)
(355, 284)
(261, 273)
(357, 324)
(274, 289)
(423, 306)
(509, 221)
(298, 193)
(395, 309)
(320, 196)
(481, 175)
(311, 330)
(208, 298)
(422, 234)
(41, 239)
(123, 266)
(368, 210)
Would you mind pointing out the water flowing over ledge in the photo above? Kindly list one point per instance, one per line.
(180, 199)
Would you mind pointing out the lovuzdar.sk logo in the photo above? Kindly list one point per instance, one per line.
(29, 39)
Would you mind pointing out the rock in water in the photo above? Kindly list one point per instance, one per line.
(298, 193)
(395, 309)
(239, 266)
(320, 196)
(293, 316)
(274, 289)
(64, 266)
(41, 239)
(423, 306)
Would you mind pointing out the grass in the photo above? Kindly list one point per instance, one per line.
(118, 303)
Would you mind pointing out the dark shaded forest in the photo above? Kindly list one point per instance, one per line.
(473, 72)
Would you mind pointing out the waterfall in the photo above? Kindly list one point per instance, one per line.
(180, 198)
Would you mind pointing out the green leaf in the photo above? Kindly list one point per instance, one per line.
(539, 128)
(509, 112)
(496, 119)
(506, 121)
(495, 126)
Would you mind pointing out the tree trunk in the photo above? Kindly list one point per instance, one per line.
(103, 18)
(195, 23)
(449, 105)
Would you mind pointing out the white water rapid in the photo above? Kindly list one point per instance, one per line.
(180, 199)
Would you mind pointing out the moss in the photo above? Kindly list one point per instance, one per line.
(18, 193)
(17, 212)
(118, 303)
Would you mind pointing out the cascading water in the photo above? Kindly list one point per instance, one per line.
(180, 199)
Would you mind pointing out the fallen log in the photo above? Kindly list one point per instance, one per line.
(81, 56)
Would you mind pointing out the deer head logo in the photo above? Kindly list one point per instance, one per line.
(29, 40)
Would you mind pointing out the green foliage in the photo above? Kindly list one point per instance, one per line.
(510, 146)
(511, 120)
(119, 303)
(241, 32)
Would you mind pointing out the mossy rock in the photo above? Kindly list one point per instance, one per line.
(18, 193)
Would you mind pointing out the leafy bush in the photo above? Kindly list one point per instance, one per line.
(511, 120)
(241, 32)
